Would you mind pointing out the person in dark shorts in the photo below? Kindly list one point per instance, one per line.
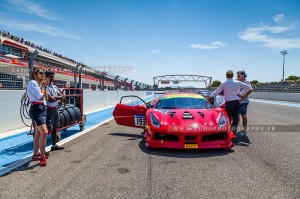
(232, 96)
(54, 95)
(37, 96)
(241, 76)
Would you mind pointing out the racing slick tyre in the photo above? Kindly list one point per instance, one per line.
(72, 114)
(77, 112)
(67, 117)
(61, 119)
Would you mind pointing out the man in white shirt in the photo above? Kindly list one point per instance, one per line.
(231, 89)
(54, 95)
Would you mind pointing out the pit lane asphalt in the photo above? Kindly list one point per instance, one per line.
(112, 162)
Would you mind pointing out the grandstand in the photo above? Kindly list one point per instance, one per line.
(15, 53)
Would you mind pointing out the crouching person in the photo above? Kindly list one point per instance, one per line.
(54, 95)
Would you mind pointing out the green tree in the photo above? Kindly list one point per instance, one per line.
(215, 83)
(167, 88)
(254, 82)
(292, 77)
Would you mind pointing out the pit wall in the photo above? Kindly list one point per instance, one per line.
(290, 97)
(10, 102)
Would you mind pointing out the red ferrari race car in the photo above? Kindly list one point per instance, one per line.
(178, 120)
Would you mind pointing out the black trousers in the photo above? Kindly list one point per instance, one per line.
(233, 110)
(53, 123)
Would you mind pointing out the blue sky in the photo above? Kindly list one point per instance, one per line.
(167, 36)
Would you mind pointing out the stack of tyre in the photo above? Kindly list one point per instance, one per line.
(69, 115)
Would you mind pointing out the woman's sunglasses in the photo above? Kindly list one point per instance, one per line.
(42, 73)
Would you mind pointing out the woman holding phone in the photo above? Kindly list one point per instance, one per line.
(37, 96)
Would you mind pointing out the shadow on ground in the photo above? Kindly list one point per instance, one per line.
(242, 140)
(24, 167)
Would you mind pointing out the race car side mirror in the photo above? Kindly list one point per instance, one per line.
(151, 104)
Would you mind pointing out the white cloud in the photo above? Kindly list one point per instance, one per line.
(278, 18)
(31, 27)
(32, 8)
(213, 45)
(155, 51)
(271, 36)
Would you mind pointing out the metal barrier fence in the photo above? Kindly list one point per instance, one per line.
(275, 88)
(281, 88)
(13, 77)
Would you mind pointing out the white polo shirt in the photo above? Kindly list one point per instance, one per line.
(52, 90)
(231, 88)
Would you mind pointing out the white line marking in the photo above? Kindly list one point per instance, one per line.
(274, 102)
(14, 132)
(94, 111)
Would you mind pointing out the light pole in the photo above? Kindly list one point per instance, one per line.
(283, 53)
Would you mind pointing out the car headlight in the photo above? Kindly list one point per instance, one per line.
(154, 120)
(222, 121)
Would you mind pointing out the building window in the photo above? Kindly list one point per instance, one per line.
(85, 86)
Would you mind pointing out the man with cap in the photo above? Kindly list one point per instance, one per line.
(241, 76)
(231, 89)
(54, 95)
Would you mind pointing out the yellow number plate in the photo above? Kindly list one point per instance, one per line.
(191, 146)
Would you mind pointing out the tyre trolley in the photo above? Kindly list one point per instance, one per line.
(70, 111)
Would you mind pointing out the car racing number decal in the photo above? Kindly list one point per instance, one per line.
(139, 120)
(163, 111)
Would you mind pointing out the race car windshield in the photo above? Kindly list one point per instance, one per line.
(183, 103)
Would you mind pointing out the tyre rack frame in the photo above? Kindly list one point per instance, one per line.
(74, 96)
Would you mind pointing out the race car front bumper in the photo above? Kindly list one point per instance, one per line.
(211, 140)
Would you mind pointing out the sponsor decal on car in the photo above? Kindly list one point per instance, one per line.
(163, 111)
